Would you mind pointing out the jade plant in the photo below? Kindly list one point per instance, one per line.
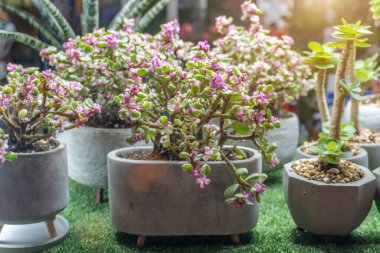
(54, 29)
(266, 59)
(368, 69)
(323, 58)
(329, 152)
(104, 61)
(35, 105)
(174, 105)
(349, 37)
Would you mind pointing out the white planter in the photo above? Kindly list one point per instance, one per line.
(87, 149)
(369, 117)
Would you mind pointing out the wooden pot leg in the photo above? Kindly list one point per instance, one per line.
(235, 239)
(99, 195)
(141, 241)
(51, 228)
(1, 227)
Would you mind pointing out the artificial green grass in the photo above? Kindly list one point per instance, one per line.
(91, 231)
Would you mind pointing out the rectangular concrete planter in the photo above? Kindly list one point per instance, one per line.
(157, 198)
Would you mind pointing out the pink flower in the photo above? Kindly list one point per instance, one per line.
(11, 67)
(208, 152)
(112, 41)
(203, 181)
(240, 115)
(170, 31)
(260, 188)
(274, 162)
(240, 202)
(217, 83)
(204, 46)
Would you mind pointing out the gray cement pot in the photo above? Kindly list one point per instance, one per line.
(156, 198)
(34, 187)
(376, 172)
(87, 149)
(369, 117)
(373, 151)
(286, 138)
(328, 209)
(361, 159)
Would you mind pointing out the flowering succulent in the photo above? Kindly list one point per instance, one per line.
(174, 105)
(35, 105)
(103, 62)
(267, 59)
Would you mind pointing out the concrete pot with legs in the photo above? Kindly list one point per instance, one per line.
(156, 198)
(34, 190)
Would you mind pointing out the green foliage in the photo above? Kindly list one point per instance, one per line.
(355, 32)
(375, 9)
(347, 131)
(24, 38)
(329, 151)
(57, 29)
(321, 56)
(353, 89)
(368, 69)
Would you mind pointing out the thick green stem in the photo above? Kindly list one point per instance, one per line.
(354, 103)
(339, 94)
(320, 91)
(233, 170)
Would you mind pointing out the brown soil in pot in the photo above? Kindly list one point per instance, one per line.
(39, 146)
(313, 169)
(367, 136)
(347, 147)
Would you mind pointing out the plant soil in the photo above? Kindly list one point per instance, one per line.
(39, 146)
(313, 169)
(372, 101)
(347, 147)
(367, 136)
(167, 156)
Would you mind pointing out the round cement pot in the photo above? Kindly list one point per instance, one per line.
(34, 187)
(87, 149)
(369, 117)
(286, 138)
(373, 151)
(157, 198)
(328, 209)
(376, 172)
(361, 159)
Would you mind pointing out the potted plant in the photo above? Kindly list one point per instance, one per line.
(354, 32)
(344, 190)
(103, 62)
(172, 104)
(267, 60)
(34, 186)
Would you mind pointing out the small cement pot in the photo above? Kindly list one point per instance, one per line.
(156, 198)
(87, 149)
(34, 188)
(373, 151)
(328, 209)
(286, 138)
(361, 159)
(376, 172)
(369, 117)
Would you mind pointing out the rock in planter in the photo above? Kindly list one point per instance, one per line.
(373, 151)
(87, 149)
(286, 138)
(361, 159)
(34, 189)
(156, 198)
(328, 209)
(376, 172)
(369, 116)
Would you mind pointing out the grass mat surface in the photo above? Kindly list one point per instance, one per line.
(91, 231)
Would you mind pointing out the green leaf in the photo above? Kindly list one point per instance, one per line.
(118, 18)
(230, 191)
(241, 171)
(315, 46)
(10, 156)
(206, 169)
(24, 39)
(241, 128)
(142, 72)
(187, 167)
